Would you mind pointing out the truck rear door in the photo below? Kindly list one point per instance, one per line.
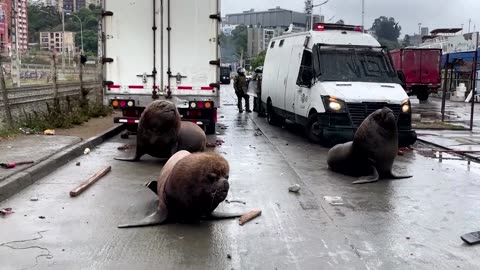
(129, 43)
(430, 67)
(411, 63)
(193, 47)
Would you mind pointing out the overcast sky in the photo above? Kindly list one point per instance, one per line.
(431, 13)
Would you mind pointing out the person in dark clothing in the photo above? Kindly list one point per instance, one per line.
(257, 101)
(240, 85)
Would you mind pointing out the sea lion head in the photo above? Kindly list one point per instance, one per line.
(159, 123)
(198, 184)
(384, 118)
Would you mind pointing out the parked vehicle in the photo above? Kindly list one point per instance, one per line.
(329, 80)
(225, 72)
(421, 69)
(162, 50)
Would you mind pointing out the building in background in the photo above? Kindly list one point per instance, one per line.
(93, 2)
(275, 18)
(50, 41)
(21, 29)
(72, 5)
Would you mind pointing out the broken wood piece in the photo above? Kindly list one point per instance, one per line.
(249, 216)
(85, 185)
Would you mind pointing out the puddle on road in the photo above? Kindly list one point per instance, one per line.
(455, 160)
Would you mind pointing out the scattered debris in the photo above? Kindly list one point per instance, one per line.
(235, 201)
(26, 131)
(34, 199)
(294, 188)
(11, 165)
(471, 238)
(49, 132)
(6, 211)
(334, 200)
(258, 133)
(78, 163)
(9, 147)
(41, 217)
(89, 182)
(86, 151)
(217, 133)
(408, 238)
(216, 143)
(125, 147)
(229, 256)
(124, 135)
(249, 216)
(223, 127)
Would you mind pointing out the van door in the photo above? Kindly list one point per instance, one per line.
(292, 87)
(281, 84)
(304, 89)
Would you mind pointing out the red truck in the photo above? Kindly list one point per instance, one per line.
(421, 68)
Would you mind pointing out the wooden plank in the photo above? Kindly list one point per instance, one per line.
(90, 181)
(249, 216)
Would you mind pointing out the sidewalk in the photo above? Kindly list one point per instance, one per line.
(453, 140)
(49, 152)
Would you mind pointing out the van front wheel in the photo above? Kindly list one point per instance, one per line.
(313, 129)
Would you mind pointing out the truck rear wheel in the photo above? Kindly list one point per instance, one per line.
(423, 94)
(210, 129)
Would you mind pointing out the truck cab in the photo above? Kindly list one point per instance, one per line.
(329, 80)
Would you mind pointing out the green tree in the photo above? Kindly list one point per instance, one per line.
(259, 61)
(240, 39)
(407, 41)
(387, 28)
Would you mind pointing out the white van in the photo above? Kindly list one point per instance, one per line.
(329, 80)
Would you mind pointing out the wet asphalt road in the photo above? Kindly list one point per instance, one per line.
(406, 224)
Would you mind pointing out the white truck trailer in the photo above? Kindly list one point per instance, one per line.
(161, 49)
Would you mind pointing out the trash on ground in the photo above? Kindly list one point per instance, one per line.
(11, 165)
(90, 181)
(78, 164)
(294, 188)
(86, 151)
(41, 217)
(229, 256)
(249, 216)
(258, 133)
(26, 131)
(334, 200)
(49, 132)
(34, 199)
(6, 211)
(235, 201)
(471, 238)
(125, 147)
(215, 144)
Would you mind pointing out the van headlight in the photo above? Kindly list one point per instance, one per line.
(406, 106)
(333, 104)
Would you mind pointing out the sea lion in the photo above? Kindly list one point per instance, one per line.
(372, 152)
(158, 130)
(190, 187)
(191, 138)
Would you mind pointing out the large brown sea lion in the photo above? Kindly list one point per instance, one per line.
(161, 133)
(189, 188)
(372, 152)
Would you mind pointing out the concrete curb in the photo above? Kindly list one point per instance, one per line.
(446, 148)
(17, 182)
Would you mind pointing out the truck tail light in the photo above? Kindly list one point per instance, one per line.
(119, 103)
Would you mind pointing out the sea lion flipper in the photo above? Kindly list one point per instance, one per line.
(395, 176)
(374, 177)
(154, 219)
(152, 185)
(216, 215)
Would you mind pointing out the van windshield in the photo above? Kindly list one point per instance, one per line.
(355, 65)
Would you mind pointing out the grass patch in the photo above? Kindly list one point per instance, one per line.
(437, 125)
(68, 116)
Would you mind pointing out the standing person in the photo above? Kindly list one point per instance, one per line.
(241, 87)
(257, 101)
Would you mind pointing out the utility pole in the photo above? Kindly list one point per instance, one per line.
(363, 15)
(15, 70)
(469, 22)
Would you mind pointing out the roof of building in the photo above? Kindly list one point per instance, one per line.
(446, 31)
